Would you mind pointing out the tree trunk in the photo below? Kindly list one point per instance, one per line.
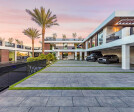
(43, 36)
(32, 47)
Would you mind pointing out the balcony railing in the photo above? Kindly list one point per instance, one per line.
(114, 36)
(0, 43)
(27, 47)
(60, 39)
(7, 44)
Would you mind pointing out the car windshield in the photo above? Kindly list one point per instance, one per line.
(92, 54)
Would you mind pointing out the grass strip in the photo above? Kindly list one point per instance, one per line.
(71, 88)
(84, 66)
(81, 72)
(12, 86)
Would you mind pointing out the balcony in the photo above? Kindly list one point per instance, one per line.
(60, 39)
(20, 46)
(27, 47)
(0, 43)
(7, 44)
(114, 36)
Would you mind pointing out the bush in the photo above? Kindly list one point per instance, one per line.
(30, 59)
(49, 57)
(42, 56)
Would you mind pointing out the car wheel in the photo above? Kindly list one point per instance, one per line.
(107, 62)
(94, 60)
(118, 61)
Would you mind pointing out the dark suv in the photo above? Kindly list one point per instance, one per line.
(109, 59)
(94, 56)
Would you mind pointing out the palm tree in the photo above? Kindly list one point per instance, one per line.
(2, 39)
(64, 37)
(18, 41)
(10, 40)
(80, 38)
(54, 36)
(43, 19)
(74, 35)
(33, 33)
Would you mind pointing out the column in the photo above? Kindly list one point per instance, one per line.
(75, 55)
(58, 56)
(125, 57)
(85, 55)
(104, 35)
(86, 45)
(15, 56)
(80, 56)
(3, 43)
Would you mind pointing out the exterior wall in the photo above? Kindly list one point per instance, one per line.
(47, 46)
(96, 40)
(4, 55)
(70, 56)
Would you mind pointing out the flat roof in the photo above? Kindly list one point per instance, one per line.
(55, 42)
(111, 20)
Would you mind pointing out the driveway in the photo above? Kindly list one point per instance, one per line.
(72, 100)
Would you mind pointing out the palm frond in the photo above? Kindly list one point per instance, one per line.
(32, 33)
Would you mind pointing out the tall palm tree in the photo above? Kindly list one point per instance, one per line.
(54, 36)
(33, 33)
(44, 19)
(10, 40)
(80, 38)
(74, 35)
(64, 36)
(18, 41)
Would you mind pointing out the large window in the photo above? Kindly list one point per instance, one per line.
(93, 41)
(100, 38)
(65, 45)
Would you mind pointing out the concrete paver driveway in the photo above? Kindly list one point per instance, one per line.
(72, 100)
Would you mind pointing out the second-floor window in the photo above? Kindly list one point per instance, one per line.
(100, 38)
(65, 46)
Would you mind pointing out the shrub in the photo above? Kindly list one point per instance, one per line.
(30, 59)
(42, 56)
(49, 57)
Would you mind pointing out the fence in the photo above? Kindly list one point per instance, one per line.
(13, 72)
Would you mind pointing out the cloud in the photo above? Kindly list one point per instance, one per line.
(62, 18)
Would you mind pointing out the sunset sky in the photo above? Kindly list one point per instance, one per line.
(80, 16)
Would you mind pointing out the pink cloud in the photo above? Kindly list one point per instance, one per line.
(68, 19)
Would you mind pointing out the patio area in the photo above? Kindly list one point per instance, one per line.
(72, 100)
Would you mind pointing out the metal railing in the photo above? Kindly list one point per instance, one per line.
(13, 72)
(114, 36)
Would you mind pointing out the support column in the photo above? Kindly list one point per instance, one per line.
(15, 56)
(86, 45)
(85, 55)
(80, 56)
(75, 55)
(125, 56)
(58, 56)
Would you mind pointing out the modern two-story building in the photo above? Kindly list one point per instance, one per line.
(114, 36)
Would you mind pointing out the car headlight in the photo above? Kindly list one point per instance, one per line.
(104, 59)
(92, 57)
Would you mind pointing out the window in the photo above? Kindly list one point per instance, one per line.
(100, 38)
(93, 41)
(65, 46)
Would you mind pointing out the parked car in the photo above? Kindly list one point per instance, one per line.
(94, 56)
(109, 59)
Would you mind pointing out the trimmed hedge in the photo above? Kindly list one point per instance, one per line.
(49, 57)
